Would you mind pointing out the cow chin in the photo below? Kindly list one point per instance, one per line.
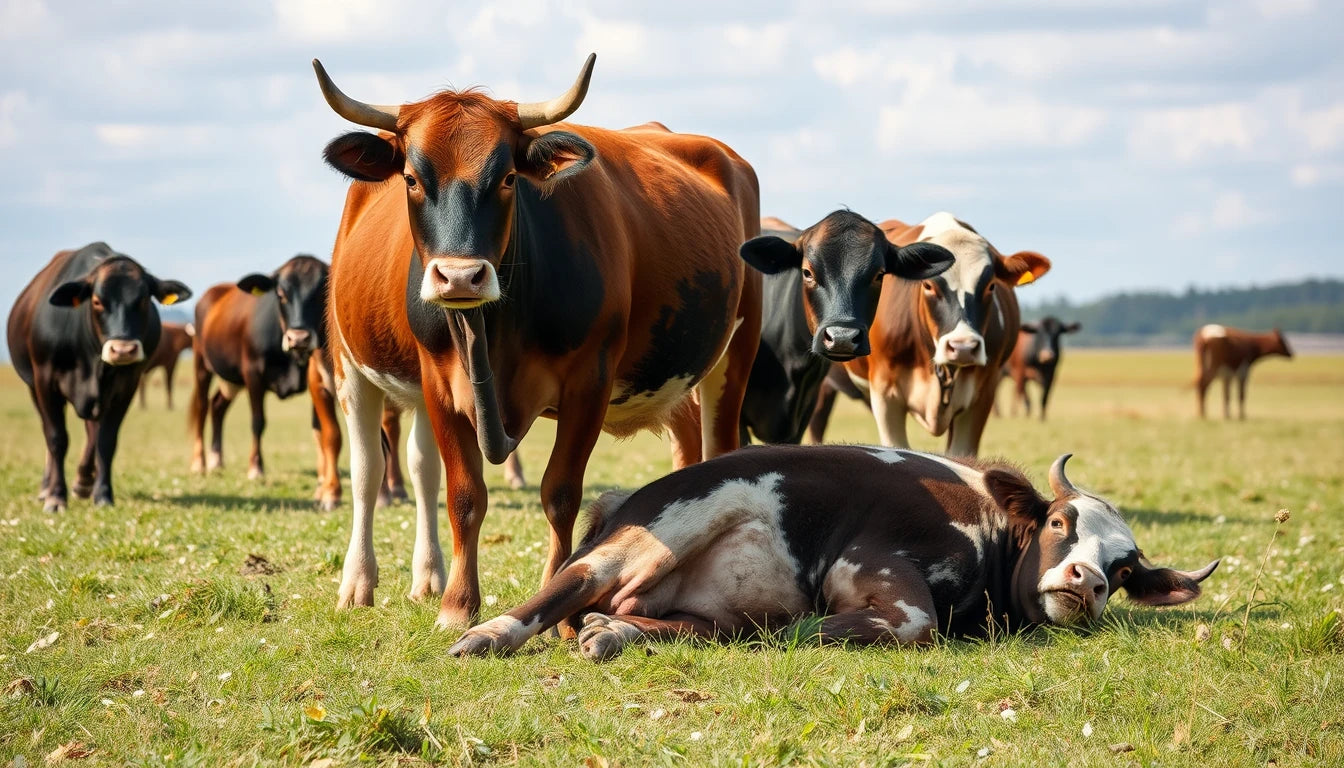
(1068, 608)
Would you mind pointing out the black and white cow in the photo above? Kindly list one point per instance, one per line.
(887, 545)
(81, 333)
(1036, 358)
(821, 290)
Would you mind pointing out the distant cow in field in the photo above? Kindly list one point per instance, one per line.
(1036, 358)
(81, 333)
(494, 265)
(258, 335)
(938, 346)
(1227, 353)
(909, 545)
(821, 291)
(174, 340)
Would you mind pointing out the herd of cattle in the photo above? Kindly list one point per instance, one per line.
(622, 280)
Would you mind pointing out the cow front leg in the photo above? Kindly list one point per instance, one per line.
(1242, 374)
(721, 391)
(84, 471)
(394, 485)
(576, 433)
(51, 407)
(362, 403)
(168, 371)
(603, 637)
(513, 472)
(197, 410)
(1227, 397)
(876, 600)
(219, 406)
(963, 436)
(327, 433)
(107, 432)
(428, 575)
(889, 413)
(256, 398)
(683, 427)
(821, 413)
(468, 501)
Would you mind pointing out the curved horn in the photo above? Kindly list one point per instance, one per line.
(1059, 482)
(372, 115)
(539, 113)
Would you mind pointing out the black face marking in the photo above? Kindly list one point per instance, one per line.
(427, 177)
(973, 306)
(462, 217)
(679, 347)
(301, 290)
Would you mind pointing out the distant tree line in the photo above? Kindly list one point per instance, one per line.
(1155, 317)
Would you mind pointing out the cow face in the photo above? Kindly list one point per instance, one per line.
(116, 295)
(1283, 348)
(300, 286)
(1043, 347)
(1076, 551)
(462, 157)
(958, 304)
(842, 259)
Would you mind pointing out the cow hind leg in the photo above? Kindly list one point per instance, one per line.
(197, 410)
(363, 406)
(603, 636)
(219, 406)
(84, 471)
(427, 570)
(256, 398)
(513, 472)
(881, 601)
(1241, 392)
(683, 426)
(51, 407)
(327, 433)
(1227, 397)
(393, 490)
(722, 390)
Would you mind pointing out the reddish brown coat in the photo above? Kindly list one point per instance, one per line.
(1228, 353)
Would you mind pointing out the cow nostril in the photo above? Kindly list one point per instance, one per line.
(1099, 590)
(478, 279)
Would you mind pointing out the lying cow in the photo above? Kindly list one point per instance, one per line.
(80, 333)
(887, 545)
(1226, 353)
(1036, 358)
(173, 341)
(821, 290)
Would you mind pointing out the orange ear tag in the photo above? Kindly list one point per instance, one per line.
(1027, 277)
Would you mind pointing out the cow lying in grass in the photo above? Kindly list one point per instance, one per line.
(886, 545)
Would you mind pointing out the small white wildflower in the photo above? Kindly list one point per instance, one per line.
(182, 560)
(137, 694)
(50, 604)
(982, 752)
(491, 599)
(658, 714)
(296, 596)
(223, 676)
(1327, 587)
(697, 736)
(963, 685)
(1219, 520)
(405, 524)
(1009, 714)
(1087, 730)
(1227, 643)
(149, 636)
(218, 630)
(1286, 625)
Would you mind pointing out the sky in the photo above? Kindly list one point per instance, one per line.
(1139, 144)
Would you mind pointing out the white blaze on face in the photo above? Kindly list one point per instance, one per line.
(1103, 538)
(973, 257)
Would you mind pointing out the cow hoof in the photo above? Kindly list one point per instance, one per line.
(82, 490)
(53, 504)
(41, 494)
(516, 482)
(383, 500)
(329, 504)
(477, 643)
(453, 619)
(602, 637)
(359, 593)
(255, 473)
(426, 588)
(197, 467)
(214, 462)
(103, 501)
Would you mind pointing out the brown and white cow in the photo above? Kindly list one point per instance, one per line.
(493, 266)
(173, 341)
(938, 345)
(1228, 353)
(1036, 358)
(909, 545)
(80, 333)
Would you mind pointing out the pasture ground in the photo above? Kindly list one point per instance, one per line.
(167, 654)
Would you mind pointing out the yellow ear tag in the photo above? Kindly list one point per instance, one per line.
(169, 299)
(258, 292)
(75, 303)
(1027, 277)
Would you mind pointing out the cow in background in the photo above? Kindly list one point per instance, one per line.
(938, 345)
(821, 290)
(521, 269)
(258, 335)
(81, 333)
(173, 341)
(1228, 353)
(1036, 358)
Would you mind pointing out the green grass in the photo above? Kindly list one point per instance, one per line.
(167, 655)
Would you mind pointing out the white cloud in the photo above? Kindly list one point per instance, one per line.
(1324, 128)
(15, 108)
(1230, 212)
(1188, 134)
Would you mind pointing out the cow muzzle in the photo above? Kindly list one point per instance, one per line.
(961, 346)
(1045, 356)
(459, 283)
(122, 351)
(840, 342)
(298, 340)
(1080, 595)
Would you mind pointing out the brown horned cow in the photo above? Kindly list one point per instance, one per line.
(494, 265)
(1227, 353)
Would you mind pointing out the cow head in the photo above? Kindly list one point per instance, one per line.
(116, 295)
(1282, 348)
(300, 288)
(1076, 551)
(461, 156)
(959, 302)
(842, 259)
(1043, 349)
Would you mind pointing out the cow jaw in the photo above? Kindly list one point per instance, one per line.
(1075, 590)
(459, 283)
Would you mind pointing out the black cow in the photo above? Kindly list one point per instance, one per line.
(258, 335)
(886, 545)
(821, 290)
(81, 333)
(1035, 358)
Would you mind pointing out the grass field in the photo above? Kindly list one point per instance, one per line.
(168, 654)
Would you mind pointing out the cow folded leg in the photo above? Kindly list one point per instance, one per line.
(603, 637)
(877, 600)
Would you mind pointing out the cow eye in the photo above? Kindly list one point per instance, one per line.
(930, 289)
(1123, 573)
(808, 276)
(97, 303)
(877, 279)
(410, 181)
(508, 180)
(1057, 524)
(280, 292)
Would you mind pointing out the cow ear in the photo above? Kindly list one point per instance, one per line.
(170, 292)
(917, 261)
(771, 254)
(1021, 268)
(71, 294)
(556, 156)
(1030, 328)
(1015, 495)
(1073, 327)
(1165, 586)
(256, 284)
(365, 156)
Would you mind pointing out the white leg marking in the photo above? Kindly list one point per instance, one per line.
(362, 403)
(915, 624)
(422, 459)
(889, 413)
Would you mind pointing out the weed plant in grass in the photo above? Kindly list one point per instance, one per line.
(175, 647)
